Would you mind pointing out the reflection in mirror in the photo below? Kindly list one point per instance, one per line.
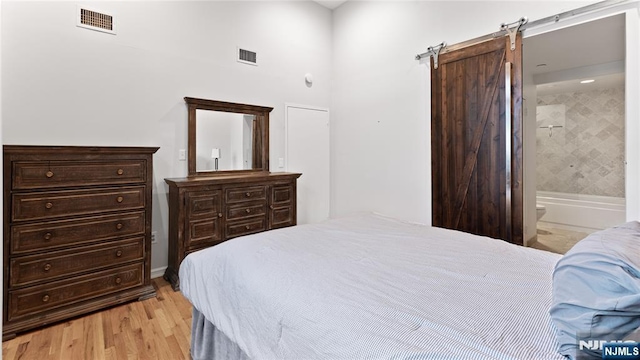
(223, 140)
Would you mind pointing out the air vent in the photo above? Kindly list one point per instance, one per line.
(96, 20)
(247, 56)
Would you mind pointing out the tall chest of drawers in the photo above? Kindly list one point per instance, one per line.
(205, 211)
(77, 225)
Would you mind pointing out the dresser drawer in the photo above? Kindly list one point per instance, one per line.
(56, 234)
(51, 174)
(44, 267)
(34, 300)
(35, 206)
(248, 193)
(241, 211)
(239, 228)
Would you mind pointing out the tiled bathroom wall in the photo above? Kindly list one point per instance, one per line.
(586, 154)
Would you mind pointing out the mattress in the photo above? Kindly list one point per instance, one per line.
(373, 287)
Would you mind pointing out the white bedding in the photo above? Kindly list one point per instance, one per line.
(371, 287)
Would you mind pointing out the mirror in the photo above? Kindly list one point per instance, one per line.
(227, 137)
(224, 141)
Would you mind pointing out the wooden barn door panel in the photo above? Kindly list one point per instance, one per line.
(469, 141)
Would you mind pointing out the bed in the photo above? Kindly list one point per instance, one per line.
(370, 287)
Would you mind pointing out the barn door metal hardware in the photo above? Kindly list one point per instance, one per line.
(433, 51)
(512, 30)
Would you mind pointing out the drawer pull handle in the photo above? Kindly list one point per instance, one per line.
(219, 215)
(119, 226)
(49, 174)
(119, 199)
(118, 280)
(120, 171)
(248, 194)
(48, 205)
(47, 236)
(47, 267)
(45, 298)
(248, 210)
(271, 207)
(119, 253)
(248, 227)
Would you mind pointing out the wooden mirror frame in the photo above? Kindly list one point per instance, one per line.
(260, 145)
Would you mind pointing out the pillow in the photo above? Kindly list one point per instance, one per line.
(596, 289)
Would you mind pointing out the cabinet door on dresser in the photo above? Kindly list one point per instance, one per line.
(283, 206)
(203, 218)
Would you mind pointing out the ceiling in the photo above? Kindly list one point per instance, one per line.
(331, 4)
(594, 50)
(567, 86)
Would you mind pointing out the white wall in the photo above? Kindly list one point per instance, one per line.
(632, 111)
(1, 162)
(381, 96)
(64, 85)
(529, 131)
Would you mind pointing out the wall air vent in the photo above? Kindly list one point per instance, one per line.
(247, 56)
(96, 20)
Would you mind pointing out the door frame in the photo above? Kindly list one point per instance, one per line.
(631, 10)
(286, 144)
(286, 126)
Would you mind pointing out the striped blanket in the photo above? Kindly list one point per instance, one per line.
(371, 287)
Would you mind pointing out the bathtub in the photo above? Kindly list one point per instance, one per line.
(577, 212)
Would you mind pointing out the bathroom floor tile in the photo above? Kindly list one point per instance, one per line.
(556, 240)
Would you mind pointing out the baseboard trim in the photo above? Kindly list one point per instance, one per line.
(158, 272)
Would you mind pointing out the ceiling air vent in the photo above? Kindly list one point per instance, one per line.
(96, 20)
(247, 56)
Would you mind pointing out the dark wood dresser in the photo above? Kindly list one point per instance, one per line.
(207, 210)
(77, 225)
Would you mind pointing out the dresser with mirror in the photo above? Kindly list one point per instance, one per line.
(229, 190)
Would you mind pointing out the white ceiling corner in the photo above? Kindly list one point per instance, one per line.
(330, 4)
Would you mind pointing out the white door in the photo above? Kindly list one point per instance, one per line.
(307, 152)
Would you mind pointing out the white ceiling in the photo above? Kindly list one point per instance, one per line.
(331, 4)
(563, 87)
(575, 53)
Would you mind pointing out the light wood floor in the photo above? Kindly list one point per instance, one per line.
(157, 328)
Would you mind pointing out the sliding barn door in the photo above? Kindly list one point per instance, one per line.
(476, 144)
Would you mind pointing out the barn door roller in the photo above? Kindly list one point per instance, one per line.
(512, 30)
(433, 51)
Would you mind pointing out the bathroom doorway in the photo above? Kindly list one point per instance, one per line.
(574, 133)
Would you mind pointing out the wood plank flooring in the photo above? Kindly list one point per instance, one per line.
(157, 328)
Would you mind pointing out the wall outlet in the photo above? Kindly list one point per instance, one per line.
(280, 162)
(182, 154)
(154, 237)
